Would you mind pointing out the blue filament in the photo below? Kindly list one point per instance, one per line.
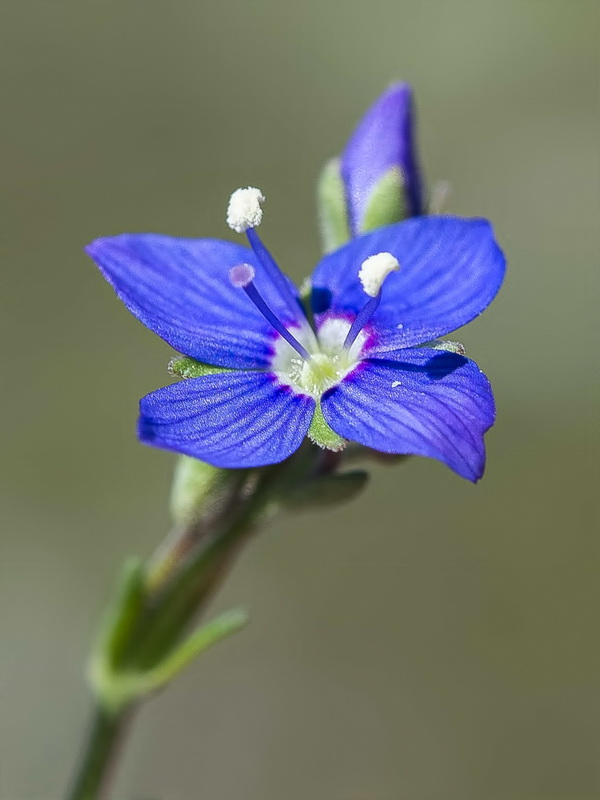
(361, 319)
(266, 260)
(271, 317)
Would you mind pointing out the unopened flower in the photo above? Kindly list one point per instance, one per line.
(380, 157)
(351, 368)
(376, 181)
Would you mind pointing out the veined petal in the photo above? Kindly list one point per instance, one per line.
(230, 420)
(383, 139)
(180, 289)
(427, 403)
(450, 270)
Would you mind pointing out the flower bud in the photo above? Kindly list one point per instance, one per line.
(377, 180)
(379, 165)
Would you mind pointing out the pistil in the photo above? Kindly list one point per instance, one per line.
(242, 277)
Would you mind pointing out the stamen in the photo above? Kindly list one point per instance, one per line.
(242, 277)
(266, 260)
(373, 272)
(244, 214)
(361, 319)
(244, 210)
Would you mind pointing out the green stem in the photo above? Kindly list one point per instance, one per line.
(162, 628)
(188, 592)
(184, 590)
(99, 752)
(178, 587)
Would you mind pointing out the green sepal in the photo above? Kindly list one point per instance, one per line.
(186, 367)
(386, 204)
(331, 206)
(447, 345)
(322, 435)
(196, 486)
(329, 490)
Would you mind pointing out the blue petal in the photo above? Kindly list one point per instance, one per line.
(231, 419)
(450, 270)
(180, 289)
(429, 403)
(384, 138)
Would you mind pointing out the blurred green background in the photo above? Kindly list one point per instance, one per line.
(431, 641)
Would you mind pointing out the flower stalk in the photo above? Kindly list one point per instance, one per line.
(144, 642)
(98, 759)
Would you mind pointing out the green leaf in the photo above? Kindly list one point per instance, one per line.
(108, 653)
(332, 208)
(186, 367)
(329, 490)
(116, 686)
(322, 435)
(224, 625)
(122, 614)
(386, 204)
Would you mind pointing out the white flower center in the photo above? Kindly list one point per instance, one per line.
(329, 362)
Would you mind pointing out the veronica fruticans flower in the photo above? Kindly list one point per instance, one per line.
(351, 368)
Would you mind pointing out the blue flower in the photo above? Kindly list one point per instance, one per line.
(382, 147)
(359, 362)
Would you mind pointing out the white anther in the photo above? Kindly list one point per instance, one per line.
(242, 275)
(375, 270)
(244, 210)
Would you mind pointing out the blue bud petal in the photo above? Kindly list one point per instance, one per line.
(384, 138)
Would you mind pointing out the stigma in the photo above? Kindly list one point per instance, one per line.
(242, 275)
